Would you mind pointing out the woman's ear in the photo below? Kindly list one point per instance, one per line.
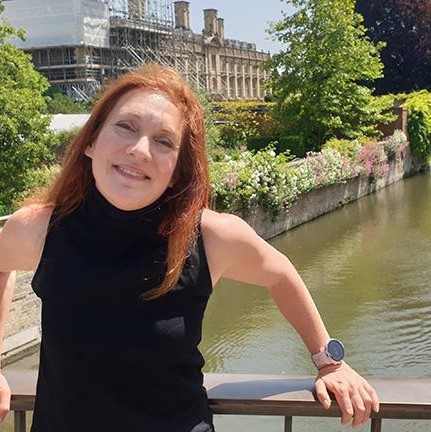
(89, 150)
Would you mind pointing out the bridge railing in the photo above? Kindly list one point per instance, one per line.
(268, 395)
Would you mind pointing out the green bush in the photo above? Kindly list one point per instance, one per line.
(293, 145)
(419, 124)
(59, 144)
(59, 103)
(395, 144)
(347, 148)
(244, 181)
(240, 120)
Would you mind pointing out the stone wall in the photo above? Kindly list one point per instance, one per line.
(22, 333)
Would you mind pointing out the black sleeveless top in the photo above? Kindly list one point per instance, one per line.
(110, 361)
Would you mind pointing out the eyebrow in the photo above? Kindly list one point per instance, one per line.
(139, 117)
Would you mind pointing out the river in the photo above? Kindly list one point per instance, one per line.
(367, 266)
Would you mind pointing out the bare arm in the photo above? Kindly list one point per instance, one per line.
(236, 252)
(7, 282)
(21, 243)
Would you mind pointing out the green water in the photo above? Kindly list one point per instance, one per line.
(368, 268)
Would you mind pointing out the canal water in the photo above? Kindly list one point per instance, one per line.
(367, 266)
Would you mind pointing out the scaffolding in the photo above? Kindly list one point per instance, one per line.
(81, 45)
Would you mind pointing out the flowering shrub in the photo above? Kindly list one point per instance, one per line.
(323, 169)
(395, 145)
(243, 181)
(253, 180)
(373, 160)
(348, 148)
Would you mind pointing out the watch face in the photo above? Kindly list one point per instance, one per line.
(335, 350)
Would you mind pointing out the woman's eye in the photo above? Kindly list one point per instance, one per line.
(165, 143)
(125, 126)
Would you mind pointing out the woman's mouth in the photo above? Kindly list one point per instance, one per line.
(130, 172)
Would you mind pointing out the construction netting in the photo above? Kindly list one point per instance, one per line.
(50, 23)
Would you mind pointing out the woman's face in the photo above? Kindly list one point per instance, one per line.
(135, 154)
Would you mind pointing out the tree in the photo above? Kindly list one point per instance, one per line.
(59, 103)
(318, 79)
(24, 134)
(405, 26)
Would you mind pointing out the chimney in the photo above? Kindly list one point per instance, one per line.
(137, 8)
(210, 20)
(182, 15)
(220, 27)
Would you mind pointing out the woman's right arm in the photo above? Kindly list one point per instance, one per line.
(21, 243)
(7, 282)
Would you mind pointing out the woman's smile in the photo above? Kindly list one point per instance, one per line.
(131, 173)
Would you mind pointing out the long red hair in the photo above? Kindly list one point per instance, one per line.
(190, 191)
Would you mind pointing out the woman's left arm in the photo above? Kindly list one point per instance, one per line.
(236, 252)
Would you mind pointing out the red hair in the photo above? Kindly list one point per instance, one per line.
(188, 195)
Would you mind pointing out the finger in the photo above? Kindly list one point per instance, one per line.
(374, 397)
(345, 404)
(4, 410)
(4, 404)
(368, 402)
(359, 409)
(322, 394)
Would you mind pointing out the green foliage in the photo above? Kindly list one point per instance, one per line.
(59, 103)
(293, 145)
(419, 123)
(240, 120)
(242, 182)
(39, 179)
(320, 169)
(395, 144)
(212, 134)
(24, 133)
(236, 123)
(319, 78)
(59, 144)
(347, 148)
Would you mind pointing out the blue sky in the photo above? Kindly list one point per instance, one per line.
(245, 20)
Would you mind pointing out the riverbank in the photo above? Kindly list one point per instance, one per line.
(23, 328)
(317, 202)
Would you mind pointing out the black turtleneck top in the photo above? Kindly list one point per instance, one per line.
(110, 361)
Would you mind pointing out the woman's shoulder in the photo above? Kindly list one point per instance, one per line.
(225, 227)
(229, 241)
(30, 218)
(23, 236)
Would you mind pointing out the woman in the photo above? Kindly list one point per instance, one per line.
(126, 253)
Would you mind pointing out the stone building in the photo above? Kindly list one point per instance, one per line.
(82, 44)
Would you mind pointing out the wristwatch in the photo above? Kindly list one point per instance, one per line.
(331, 354)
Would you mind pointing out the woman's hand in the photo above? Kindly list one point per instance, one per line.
(355, 397)
(4, 397)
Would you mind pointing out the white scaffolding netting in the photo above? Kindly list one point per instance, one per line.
(59, 22)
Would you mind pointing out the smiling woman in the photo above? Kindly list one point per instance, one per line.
(126, 254)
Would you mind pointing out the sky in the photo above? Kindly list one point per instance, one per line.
(245, 20)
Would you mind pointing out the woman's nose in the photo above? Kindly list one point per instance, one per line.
(140, 148)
